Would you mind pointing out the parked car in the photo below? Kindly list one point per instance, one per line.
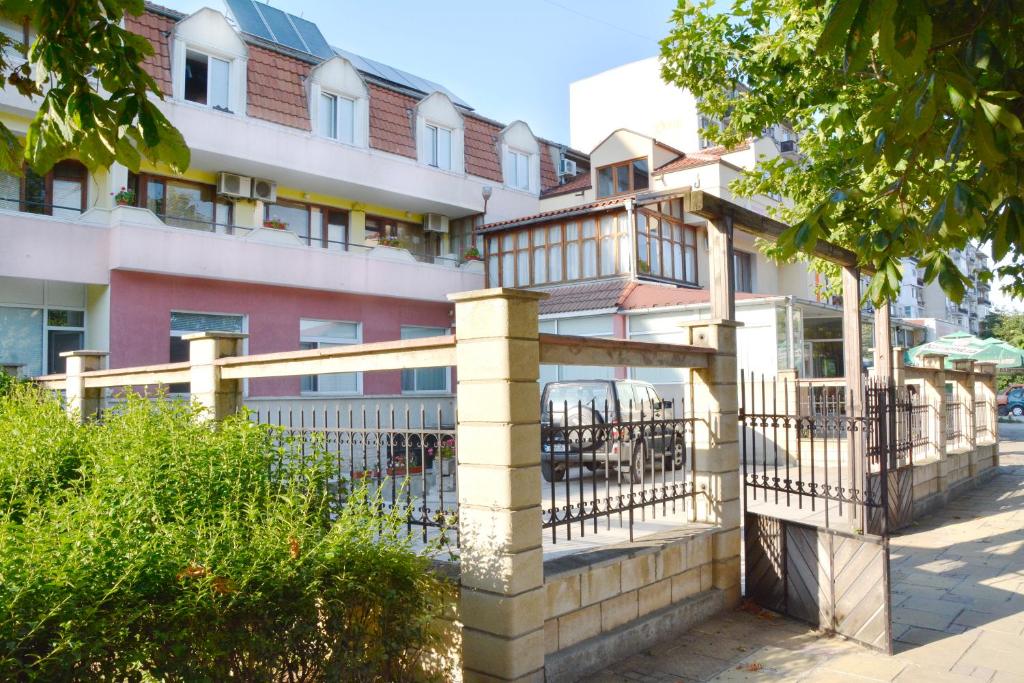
(1003, 399)
(1014, 402)
(618, 424)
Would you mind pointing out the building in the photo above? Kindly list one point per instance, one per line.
(331, 199)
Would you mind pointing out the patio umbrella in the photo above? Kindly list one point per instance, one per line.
(961, 345)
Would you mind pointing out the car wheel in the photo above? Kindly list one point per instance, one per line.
(638, 463)
(1002, 411)
(676, 458)
(552, 472)
(1017, 411)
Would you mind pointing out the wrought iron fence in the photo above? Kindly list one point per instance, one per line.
(406, 458)
(919, 415)
(954, 422)
(983, 420)
(620, 462)
(825, 462)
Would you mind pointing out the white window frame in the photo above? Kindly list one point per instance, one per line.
(447, 371)
(434, 146)
(210, 56)
(333, 341)
(44, 341)
(350, 138)
(513, 168)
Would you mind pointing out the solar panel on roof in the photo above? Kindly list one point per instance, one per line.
(283, 31)
(248, 18)
(314, 40)
(397, 76)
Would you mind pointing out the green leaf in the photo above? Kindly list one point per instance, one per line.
(995, 113)
(837, 25)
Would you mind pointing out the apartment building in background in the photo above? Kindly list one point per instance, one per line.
(621, 258)
(331, 200)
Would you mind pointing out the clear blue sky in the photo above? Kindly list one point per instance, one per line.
(508, 60)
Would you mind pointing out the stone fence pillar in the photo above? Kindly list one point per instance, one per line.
(934, 396)
(985, 392)
(715, 404)
(963, 391)
(11, 368)
(502, 605)
(899, 366)
(220, 397)
(85, 403)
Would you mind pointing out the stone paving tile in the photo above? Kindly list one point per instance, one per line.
(958, 596)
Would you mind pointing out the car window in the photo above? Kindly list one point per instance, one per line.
(652, 397)
(628, 401)
(587, 393)
(1016, 394)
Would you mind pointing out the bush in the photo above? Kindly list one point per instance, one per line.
(155, 545)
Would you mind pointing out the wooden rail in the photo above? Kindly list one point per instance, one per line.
(558, 349)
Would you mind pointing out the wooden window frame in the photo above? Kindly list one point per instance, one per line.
(141, 187)
(324, 211)
(663, 217)
(618, 217)
(82, 175)
(619, 164)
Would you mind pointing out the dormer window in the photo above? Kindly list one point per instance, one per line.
(622, 178)
(337, 118)
(207, 80)
(439, 147)
(517, 169)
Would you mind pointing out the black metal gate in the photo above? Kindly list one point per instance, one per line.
(817, 515)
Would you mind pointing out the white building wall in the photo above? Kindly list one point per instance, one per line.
(631, 96)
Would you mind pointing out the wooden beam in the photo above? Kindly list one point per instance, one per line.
(428, 352)
(883, 342)
(721, 283)
(712, 207)
(558, 349)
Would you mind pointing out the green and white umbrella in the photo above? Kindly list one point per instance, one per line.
(960, 345)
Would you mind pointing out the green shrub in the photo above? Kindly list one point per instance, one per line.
(156, 545)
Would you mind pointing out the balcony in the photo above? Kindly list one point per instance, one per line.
(127, 238)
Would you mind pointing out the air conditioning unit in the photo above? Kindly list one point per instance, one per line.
(435, 222)
(566, 167)
(264, 190)
(232, 185)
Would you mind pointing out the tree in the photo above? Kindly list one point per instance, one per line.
(1010, 328)
(85, 71)
(909, 115)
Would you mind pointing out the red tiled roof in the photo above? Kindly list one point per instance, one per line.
(623, 295)
(548, 174)
(702, 158)
(656, 296)
(155, 28)
(576, 184)
(588, 296)
(391, 123)
(582, 208)
(276, 92)
(481, 145)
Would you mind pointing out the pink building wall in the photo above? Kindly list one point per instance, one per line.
(141, 305)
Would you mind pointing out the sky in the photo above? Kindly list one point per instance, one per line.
(507, 60)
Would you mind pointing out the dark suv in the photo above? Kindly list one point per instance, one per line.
(620, 425)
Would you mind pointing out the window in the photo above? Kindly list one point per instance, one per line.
(188, 323)
(629, 176)
(594, 246)
(183, 203)
(320, 334)
(743, 271)
(35, 337)
(206, 79)
(439, 147)
(705, 123)
(296, 218)
(666, 247)
(517, 169)
(337, 118)
(60, 193)
(424, 379)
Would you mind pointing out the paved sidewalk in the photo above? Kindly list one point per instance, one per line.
(958, 609)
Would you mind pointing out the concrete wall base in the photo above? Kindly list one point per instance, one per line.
(581, 659)
(931, 503)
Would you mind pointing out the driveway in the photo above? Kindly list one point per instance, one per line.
(958, 608)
